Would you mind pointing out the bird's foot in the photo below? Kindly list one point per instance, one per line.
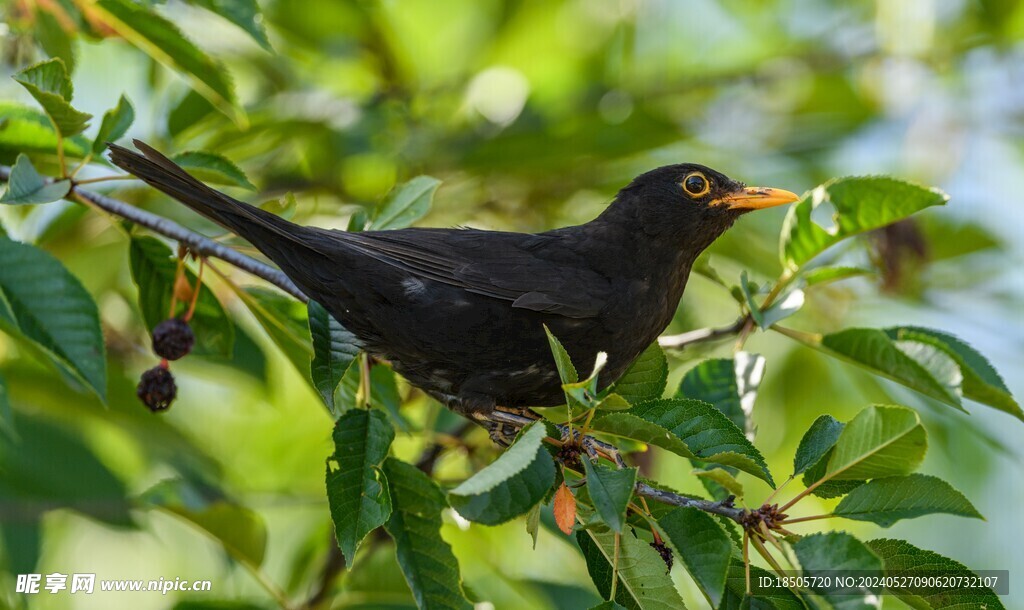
(593, 447)
(572, 438)
(503, 423)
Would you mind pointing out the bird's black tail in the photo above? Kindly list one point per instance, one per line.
(285, 243)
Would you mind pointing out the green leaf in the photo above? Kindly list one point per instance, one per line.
(243, 13)
(285, 321)
(6, 415)
(981, 381)
(644, 582)
(880, 441)
(826, 275)
(907, 561)
(45, 304)
(610, 490)
(929, 371)
(816, 442)
(861, 204)
(116, 122)
(164, 42)
(533, 523)
(357, 489)
(26, 186)
(406, 204)
(785, 306)
(645, 379)
(153, 267)
(730, 384)
(703, 546)
(748, 296)
(566, 370)
(721, 477)
(583, 394)
(608, 605)
(613, 402)
(334, 351)
(26, 130)
(886, 501)
(188, 112)
(240, 530)
(54, 39)
(831, 488)
(510, 485)
(426, 559)
(690, 428)
(736, 597)
(825, 555)
(49, 84)
(53, 466)
(213, 168)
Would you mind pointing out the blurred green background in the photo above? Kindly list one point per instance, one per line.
(533, 114)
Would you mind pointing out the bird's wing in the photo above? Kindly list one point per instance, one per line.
(538, 272)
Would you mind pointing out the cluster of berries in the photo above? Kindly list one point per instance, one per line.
(172, 339)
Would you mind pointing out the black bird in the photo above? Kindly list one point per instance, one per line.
(460, 313)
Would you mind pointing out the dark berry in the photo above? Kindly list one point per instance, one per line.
(665, 552)
(157, 389)
(173, 339)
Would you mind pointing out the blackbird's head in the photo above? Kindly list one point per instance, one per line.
(688, 203)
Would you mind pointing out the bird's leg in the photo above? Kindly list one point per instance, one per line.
(520, 411)
(501, 433)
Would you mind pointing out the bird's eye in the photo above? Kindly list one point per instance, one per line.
(696, 185)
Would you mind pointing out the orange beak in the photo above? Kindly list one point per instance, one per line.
(756, 198)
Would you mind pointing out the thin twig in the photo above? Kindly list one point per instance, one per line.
(668, 497)
(200, 245)
(701, 335)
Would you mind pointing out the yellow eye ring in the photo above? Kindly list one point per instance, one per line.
(696, 184)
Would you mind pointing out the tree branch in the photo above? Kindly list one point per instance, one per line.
(199, 244)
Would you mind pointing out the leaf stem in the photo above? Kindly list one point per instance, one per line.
(746, 557)
(364, 379)
(812, 518)
(756, 541)
(802, 337)
(615, 567)
(178, 271)
(195, 293)
(84, 162)
(270, 586)
(774, 493)
(100, 179)
(60, 152)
